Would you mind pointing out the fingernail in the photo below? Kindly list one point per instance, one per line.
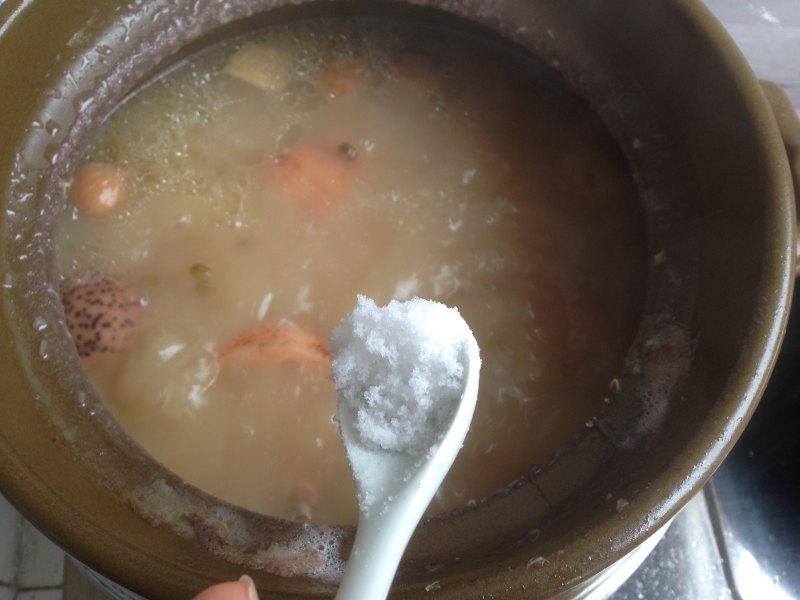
(252, 594)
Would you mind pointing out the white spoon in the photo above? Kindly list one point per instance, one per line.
(395, 488)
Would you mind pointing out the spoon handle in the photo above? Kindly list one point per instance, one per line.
(380, 542)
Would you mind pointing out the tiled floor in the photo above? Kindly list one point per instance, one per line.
(33, 568)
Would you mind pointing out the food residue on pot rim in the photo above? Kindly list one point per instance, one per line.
(313, 551)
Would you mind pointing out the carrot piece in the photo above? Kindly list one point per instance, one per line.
(316, 174)
(283, 341)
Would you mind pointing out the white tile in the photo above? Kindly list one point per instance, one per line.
(41, 561)
(768, 33)
(10, 532)
(772, 14)
(6, 593)
(40, 595)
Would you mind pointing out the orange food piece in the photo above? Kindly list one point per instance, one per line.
(315, 174)
(280, 342)
(98, 189)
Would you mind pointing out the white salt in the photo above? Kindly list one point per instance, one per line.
(402, 369)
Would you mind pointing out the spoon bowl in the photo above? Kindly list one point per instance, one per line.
(394, 489)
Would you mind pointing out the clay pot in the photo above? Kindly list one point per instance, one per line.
(716, 185)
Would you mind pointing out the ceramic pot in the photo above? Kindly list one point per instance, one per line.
(716, 186)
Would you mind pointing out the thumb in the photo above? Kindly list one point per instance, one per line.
(244, 589)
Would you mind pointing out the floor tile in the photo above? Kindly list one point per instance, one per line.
(56, 594)
(10, 532)
(77, 586)
(41, 561)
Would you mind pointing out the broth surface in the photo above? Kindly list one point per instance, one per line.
(268, 180)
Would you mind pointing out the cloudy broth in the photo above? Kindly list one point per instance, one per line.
(228, 214)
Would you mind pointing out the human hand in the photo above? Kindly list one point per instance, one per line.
(244, 589)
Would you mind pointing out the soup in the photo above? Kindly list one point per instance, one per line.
(226, 216)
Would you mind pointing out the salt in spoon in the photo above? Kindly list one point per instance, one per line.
(396, 484)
